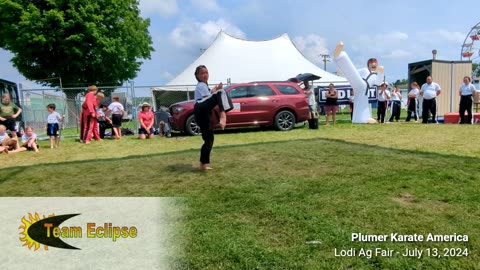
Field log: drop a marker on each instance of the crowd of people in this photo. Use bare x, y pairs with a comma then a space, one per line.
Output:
95, 119
392, 101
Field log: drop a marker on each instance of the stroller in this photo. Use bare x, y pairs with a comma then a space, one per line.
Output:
162, 121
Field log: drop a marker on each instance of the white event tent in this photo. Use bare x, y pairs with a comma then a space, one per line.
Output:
235, 60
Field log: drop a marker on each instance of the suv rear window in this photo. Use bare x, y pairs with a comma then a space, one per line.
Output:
287, 89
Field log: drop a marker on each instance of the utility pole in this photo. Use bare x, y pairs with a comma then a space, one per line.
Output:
326, 58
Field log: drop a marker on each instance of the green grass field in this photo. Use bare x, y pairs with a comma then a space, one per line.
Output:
285, 200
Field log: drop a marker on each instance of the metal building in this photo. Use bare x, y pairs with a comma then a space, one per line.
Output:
448, 74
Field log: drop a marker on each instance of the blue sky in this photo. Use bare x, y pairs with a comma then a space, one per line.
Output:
395, 32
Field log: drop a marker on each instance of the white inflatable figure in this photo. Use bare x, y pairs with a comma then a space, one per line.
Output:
362, 81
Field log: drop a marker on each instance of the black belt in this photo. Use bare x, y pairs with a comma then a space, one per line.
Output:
429, 99
466, 95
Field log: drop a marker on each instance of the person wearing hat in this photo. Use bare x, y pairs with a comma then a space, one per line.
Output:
383, 96
146, 119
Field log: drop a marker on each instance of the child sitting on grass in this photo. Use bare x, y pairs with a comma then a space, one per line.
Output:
6, 143
29, 141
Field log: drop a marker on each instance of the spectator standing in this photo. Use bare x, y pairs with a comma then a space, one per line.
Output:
9, 111
88, 115
412, 103
331, 104
53, 120
383, 95
396, 99
312, 104
466, 92
430, 91
351, 101
117, 110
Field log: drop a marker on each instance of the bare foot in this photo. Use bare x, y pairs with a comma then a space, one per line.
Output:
338, 49
205, 167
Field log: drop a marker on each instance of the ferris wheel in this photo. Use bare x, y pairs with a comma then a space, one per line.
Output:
471, 48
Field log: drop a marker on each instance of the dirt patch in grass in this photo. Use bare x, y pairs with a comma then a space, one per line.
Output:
405, 199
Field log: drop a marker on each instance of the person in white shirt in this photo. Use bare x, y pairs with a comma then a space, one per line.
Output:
383, 96
308, 90
351, 100
412, 106
430, 90
117, 115
466, 92
53, 120
29, 141
206, 100
396, 99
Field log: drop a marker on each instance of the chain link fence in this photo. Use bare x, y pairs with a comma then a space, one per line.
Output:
165, 96
68, 102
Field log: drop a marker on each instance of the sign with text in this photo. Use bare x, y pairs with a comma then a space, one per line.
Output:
344, 93
89, 233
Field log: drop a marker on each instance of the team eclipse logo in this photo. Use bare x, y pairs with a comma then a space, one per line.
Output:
47, 231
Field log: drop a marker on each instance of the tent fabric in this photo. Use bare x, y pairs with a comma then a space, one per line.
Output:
239, 61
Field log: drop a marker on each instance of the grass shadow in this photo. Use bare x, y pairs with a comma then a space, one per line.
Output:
183, 168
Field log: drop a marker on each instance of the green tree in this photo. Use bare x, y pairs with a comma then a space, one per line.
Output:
401, 82
80, 41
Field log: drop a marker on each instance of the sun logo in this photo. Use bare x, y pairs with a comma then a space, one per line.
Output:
26, 223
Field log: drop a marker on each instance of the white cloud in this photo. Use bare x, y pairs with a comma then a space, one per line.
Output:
207, 5
438, 36
200, 35
312, 46
379, 43
398, 54
395, 36
165, 8
167, 76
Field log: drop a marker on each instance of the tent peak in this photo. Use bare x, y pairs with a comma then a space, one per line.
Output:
222, 33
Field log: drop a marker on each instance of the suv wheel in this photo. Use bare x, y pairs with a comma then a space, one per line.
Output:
284, 120
191, 127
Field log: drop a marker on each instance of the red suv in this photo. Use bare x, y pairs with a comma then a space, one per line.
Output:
278, 104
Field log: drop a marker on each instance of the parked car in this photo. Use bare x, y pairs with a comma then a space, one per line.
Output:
279, 104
